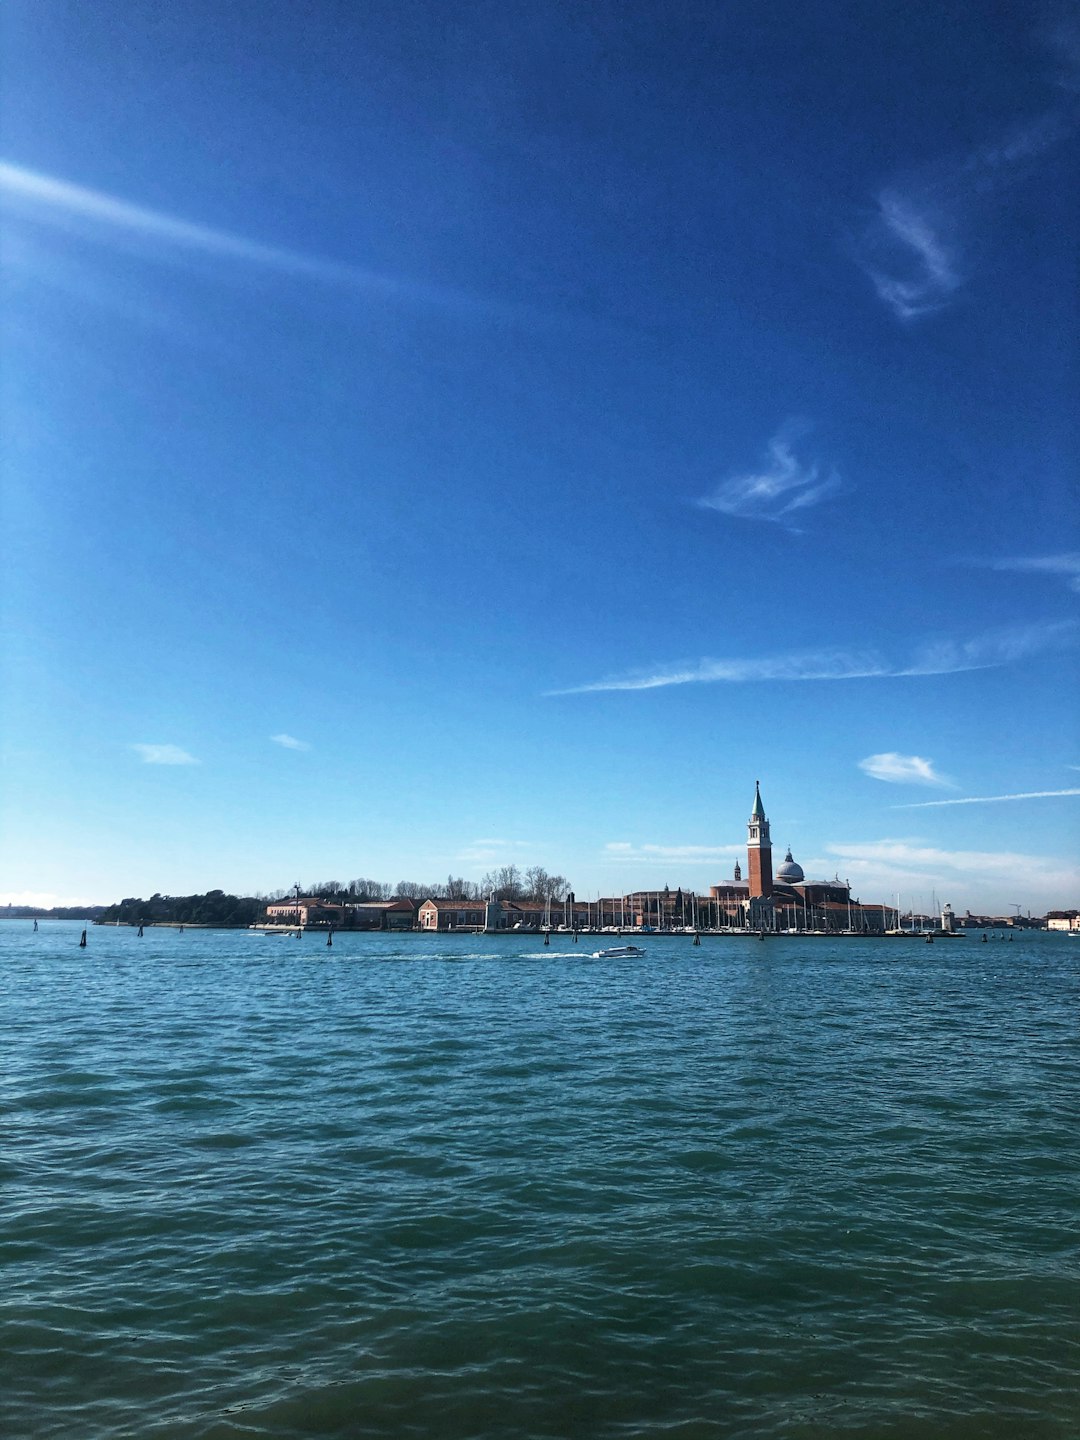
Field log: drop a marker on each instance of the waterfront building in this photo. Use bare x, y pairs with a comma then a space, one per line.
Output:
302, 911
788, 901
363, 915
441, 913
397, 914
759, 900
970, 921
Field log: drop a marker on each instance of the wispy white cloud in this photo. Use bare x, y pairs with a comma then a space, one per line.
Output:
42, 899
290, 742
782, 488
971, 878
1003, 646
914, 267
164, 755
902, 769
987, 799
939, 657
493, 850
67, 205
1061, 34
619, 850
1024, 142
912, 250
834, 665
1066, 566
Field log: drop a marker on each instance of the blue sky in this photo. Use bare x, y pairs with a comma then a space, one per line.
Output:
548, 419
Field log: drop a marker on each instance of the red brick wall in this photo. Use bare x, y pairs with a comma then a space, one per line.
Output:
759, 872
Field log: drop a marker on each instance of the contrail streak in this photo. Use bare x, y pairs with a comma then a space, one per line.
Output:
62, 198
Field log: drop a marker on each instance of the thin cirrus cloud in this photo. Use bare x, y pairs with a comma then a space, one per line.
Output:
1062, 37
290, 742
899, 769
620, 850
914, 268
910, 865
912, 250
988, 799
164, 755
68, 205
939, 657
490, 850
1065, 566
776, 492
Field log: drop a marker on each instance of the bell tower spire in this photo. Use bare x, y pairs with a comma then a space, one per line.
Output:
759, 850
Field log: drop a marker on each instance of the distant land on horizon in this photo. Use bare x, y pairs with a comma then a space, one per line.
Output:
218, 909
57, 912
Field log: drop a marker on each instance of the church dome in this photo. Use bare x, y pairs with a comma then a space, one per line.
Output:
790, 872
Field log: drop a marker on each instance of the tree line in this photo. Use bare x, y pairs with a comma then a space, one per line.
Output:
508, 882
218, 908
214, 908
55, 912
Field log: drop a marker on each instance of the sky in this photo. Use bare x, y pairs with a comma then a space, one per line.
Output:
442, 437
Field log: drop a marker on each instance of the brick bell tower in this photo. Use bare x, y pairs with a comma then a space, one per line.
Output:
758, 850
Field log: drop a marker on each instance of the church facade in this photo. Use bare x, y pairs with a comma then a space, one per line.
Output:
787, 901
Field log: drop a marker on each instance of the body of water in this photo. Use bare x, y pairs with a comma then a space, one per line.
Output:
466, 1186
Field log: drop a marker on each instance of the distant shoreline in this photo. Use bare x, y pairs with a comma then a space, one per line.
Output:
560, 935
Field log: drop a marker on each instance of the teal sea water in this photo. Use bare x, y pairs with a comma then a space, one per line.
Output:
471, 1187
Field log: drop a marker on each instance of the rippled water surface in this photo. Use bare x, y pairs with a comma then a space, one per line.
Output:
469, 1187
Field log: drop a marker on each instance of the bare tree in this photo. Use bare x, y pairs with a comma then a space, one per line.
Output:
536, 878
363, 889
510, 883
542, 887
412, 890
506, 883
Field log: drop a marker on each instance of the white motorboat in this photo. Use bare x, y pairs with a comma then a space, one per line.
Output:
619, 952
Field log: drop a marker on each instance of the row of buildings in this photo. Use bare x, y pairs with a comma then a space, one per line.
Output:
758, 900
